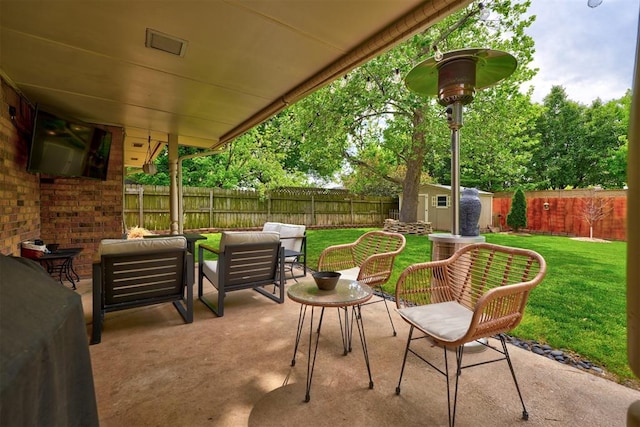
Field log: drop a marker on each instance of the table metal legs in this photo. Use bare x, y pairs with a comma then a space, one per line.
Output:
346, 330
64, 268
363, 340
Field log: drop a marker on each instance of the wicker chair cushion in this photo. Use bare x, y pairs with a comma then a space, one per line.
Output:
350, 274
445, 321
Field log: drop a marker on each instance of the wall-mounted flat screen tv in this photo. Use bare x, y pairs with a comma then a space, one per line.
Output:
68, 148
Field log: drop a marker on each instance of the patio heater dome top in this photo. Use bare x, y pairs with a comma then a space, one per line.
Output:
459, 73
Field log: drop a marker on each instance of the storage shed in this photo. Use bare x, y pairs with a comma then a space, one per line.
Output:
434, 206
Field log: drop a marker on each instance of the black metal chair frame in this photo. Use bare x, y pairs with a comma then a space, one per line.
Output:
144, 278
459, 351
299, 258
244, 266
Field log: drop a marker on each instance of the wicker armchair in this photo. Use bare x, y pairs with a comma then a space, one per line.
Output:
480, 291
368, 260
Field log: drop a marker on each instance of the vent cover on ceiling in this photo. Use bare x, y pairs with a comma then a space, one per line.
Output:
165, 42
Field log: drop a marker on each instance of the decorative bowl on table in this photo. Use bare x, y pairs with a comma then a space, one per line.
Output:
326, 280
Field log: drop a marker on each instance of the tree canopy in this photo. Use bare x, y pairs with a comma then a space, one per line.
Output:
369, 133
580, 146
370, 128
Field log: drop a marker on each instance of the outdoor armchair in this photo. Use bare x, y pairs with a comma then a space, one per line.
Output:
293, 238
369, 260
246, 260
479, 292
139, 272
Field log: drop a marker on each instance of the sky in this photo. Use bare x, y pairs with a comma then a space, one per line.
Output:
588, 51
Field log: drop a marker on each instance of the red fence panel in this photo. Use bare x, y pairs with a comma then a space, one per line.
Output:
563, 212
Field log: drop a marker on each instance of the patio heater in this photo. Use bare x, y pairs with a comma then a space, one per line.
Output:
454, 78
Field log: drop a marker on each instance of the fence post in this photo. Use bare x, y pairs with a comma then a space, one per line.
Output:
211, 208
140, 206
353, 220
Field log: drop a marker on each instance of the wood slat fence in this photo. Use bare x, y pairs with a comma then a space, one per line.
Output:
562, 212
213, 208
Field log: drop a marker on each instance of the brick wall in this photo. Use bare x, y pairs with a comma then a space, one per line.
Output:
19, 190
563, 213
74, 212
79, 212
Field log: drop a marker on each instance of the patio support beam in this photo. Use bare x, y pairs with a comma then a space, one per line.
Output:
633, 231
181, 192
173, 187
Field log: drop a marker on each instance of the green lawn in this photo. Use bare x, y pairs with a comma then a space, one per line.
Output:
580, 305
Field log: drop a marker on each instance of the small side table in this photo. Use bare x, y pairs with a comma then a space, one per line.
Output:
61, 262
347, 294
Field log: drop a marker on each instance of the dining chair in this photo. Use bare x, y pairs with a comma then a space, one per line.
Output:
480, 291
369, 260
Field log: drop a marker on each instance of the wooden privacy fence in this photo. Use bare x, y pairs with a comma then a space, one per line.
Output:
213, 208
562, 212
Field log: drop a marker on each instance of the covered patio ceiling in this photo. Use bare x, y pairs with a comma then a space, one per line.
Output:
233, 63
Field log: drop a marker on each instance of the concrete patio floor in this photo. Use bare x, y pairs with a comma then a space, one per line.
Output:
151, 369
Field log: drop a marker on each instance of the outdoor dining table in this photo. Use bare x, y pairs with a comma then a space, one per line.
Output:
347, 294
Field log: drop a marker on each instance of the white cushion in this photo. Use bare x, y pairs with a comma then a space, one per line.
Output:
287, 232
239, 237
350, 274
120, 246
210, 269
445, 321
271, 226
291, 236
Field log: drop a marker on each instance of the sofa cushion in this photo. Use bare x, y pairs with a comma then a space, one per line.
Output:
291, 236
119, 246
210, 269
239, 237
271, 226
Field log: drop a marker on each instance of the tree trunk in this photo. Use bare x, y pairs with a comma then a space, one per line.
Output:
410, 192
411, 182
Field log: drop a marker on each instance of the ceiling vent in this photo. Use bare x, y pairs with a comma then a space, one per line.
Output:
165, 42
137, 145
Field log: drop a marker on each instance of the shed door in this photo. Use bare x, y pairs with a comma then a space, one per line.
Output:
425, 203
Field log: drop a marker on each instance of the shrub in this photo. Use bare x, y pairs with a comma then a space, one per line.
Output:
517, 216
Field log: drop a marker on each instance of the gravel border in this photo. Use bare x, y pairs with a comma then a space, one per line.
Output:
562, 356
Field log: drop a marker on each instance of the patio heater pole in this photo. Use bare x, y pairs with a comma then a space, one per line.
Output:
454, 115
454, 78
